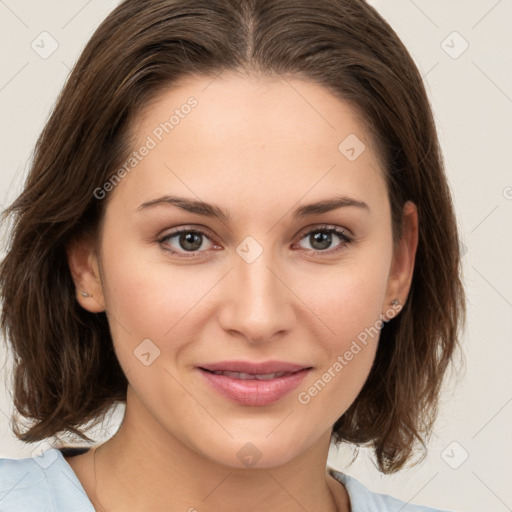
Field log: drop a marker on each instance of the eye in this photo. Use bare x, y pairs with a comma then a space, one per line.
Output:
191, 240
321, 239
188, 240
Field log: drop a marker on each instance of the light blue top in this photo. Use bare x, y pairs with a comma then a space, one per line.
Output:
47, 483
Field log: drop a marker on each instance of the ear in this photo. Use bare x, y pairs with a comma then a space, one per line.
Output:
84, 267
402, 266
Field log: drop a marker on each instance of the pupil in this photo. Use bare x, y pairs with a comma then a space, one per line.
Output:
323, 238
192, 241
187, 241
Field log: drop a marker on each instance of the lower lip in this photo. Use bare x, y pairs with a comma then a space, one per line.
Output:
254, 392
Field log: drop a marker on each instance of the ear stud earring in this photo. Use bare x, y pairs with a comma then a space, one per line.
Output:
86, 294
391, 313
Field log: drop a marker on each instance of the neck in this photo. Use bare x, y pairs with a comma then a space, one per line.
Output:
143, 467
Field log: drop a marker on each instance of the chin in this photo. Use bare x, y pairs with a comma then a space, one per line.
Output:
259, 452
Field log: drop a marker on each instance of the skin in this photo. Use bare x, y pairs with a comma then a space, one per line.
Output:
258, 149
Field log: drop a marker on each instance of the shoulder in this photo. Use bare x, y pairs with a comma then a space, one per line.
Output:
23, 483
41, 484
362, 499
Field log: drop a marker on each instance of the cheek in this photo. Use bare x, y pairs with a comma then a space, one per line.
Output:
348, 348
147, 298
348, 304
347, 298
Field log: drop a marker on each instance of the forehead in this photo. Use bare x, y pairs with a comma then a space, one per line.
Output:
251, 135
292, 106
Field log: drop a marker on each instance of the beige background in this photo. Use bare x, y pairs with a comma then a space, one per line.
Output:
471, 93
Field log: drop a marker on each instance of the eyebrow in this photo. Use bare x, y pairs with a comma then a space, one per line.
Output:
210, 210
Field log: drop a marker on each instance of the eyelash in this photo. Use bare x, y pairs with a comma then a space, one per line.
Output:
345, 238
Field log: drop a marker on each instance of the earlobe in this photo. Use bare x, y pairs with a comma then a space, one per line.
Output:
84, 268
402, 267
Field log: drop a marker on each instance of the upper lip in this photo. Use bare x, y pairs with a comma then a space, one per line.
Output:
262, 368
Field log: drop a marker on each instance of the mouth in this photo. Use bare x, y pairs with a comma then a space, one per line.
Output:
249, 376
254, 384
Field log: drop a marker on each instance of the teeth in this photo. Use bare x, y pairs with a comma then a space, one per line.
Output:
269, 376
250, 376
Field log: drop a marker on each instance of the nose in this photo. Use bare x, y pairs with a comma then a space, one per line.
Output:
258, 304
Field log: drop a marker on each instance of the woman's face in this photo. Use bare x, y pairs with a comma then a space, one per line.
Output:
263, 281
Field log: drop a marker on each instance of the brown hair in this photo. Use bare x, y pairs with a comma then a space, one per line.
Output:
64, 377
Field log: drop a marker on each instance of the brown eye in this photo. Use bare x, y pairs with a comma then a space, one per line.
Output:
322, 238
186, 241
190, 241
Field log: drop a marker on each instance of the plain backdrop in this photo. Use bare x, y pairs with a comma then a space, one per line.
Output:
464, 52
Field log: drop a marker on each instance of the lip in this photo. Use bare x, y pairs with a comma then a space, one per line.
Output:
253, 367
254, 392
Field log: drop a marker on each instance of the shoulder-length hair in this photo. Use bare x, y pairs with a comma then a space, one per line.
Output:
66, 373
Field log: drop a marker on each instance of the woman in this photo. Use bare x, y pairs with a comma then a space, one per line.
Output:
238, 224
